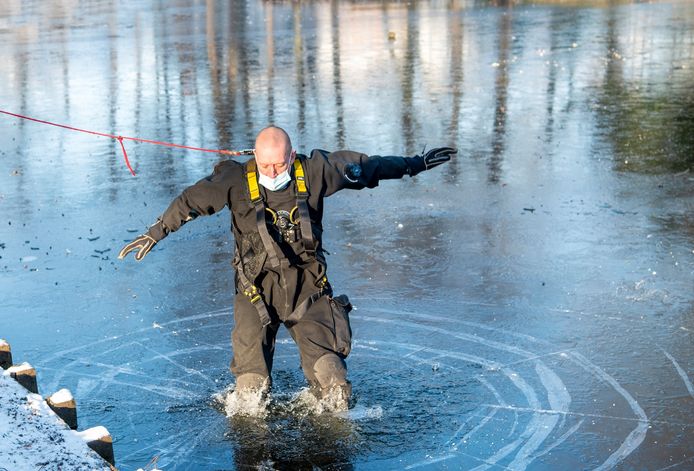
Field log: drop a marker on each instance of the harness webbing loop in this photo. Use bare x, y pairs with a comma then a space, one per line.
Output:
257, 200
304, 216
253, 294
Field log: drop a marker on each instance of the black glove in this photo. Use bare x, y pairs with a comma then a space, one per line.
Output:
437, 156
143, 244
431, 159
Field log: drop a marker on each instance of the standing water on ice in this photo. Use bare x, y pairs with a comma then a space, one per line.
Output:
528, 305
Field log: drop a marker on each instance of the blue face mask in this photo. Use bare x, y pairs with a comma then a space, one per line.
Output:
277, 183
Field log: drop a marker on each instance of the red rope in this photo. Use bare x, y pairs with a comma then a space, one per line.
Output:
125, 155
137, 139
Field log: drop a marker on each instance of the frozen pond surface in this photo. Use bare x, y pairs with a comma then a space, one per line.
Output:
529, 305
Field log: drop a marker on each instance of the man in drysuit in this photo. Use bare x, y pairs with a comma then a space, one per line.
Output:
276, 204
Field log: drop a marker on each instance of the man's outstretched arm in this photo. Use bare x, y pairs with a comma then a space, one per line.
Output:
346, 169
204, 198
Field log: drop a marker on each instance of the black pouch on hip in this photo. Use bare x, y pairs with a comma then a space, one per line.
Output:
341, 308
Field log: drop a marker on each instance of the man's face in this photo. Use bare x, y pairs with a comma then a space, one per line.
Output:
272, 161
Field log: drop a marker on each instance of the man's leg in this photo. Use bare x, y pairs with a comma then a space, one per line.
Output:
323, 338
253, 345
331, 374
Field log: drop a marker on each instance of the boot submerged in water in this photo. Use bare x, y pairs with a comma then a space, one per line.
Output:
250, 397
333, 389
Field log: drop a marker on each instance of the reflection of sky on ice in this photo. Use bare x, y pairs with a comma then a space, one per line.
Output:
527, 305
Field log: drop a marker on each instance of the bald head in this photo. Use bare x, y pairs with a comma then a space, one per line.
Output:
273, 151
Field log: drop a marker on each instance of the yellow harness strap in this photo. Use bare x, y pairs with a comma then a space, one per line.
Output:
252, 176
300, 178
302, 205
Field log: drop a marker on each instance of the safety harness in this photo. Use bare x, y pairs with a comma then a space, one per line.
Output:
259, 205
309, 242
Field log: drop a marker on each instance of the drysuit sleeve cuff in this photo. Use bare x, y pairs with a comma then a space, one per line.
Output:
415, 165
158, 231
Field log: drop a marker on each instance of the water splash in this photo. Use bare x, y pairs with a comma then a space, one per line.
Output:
246, 403
362, 413
301, 404
305, 402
